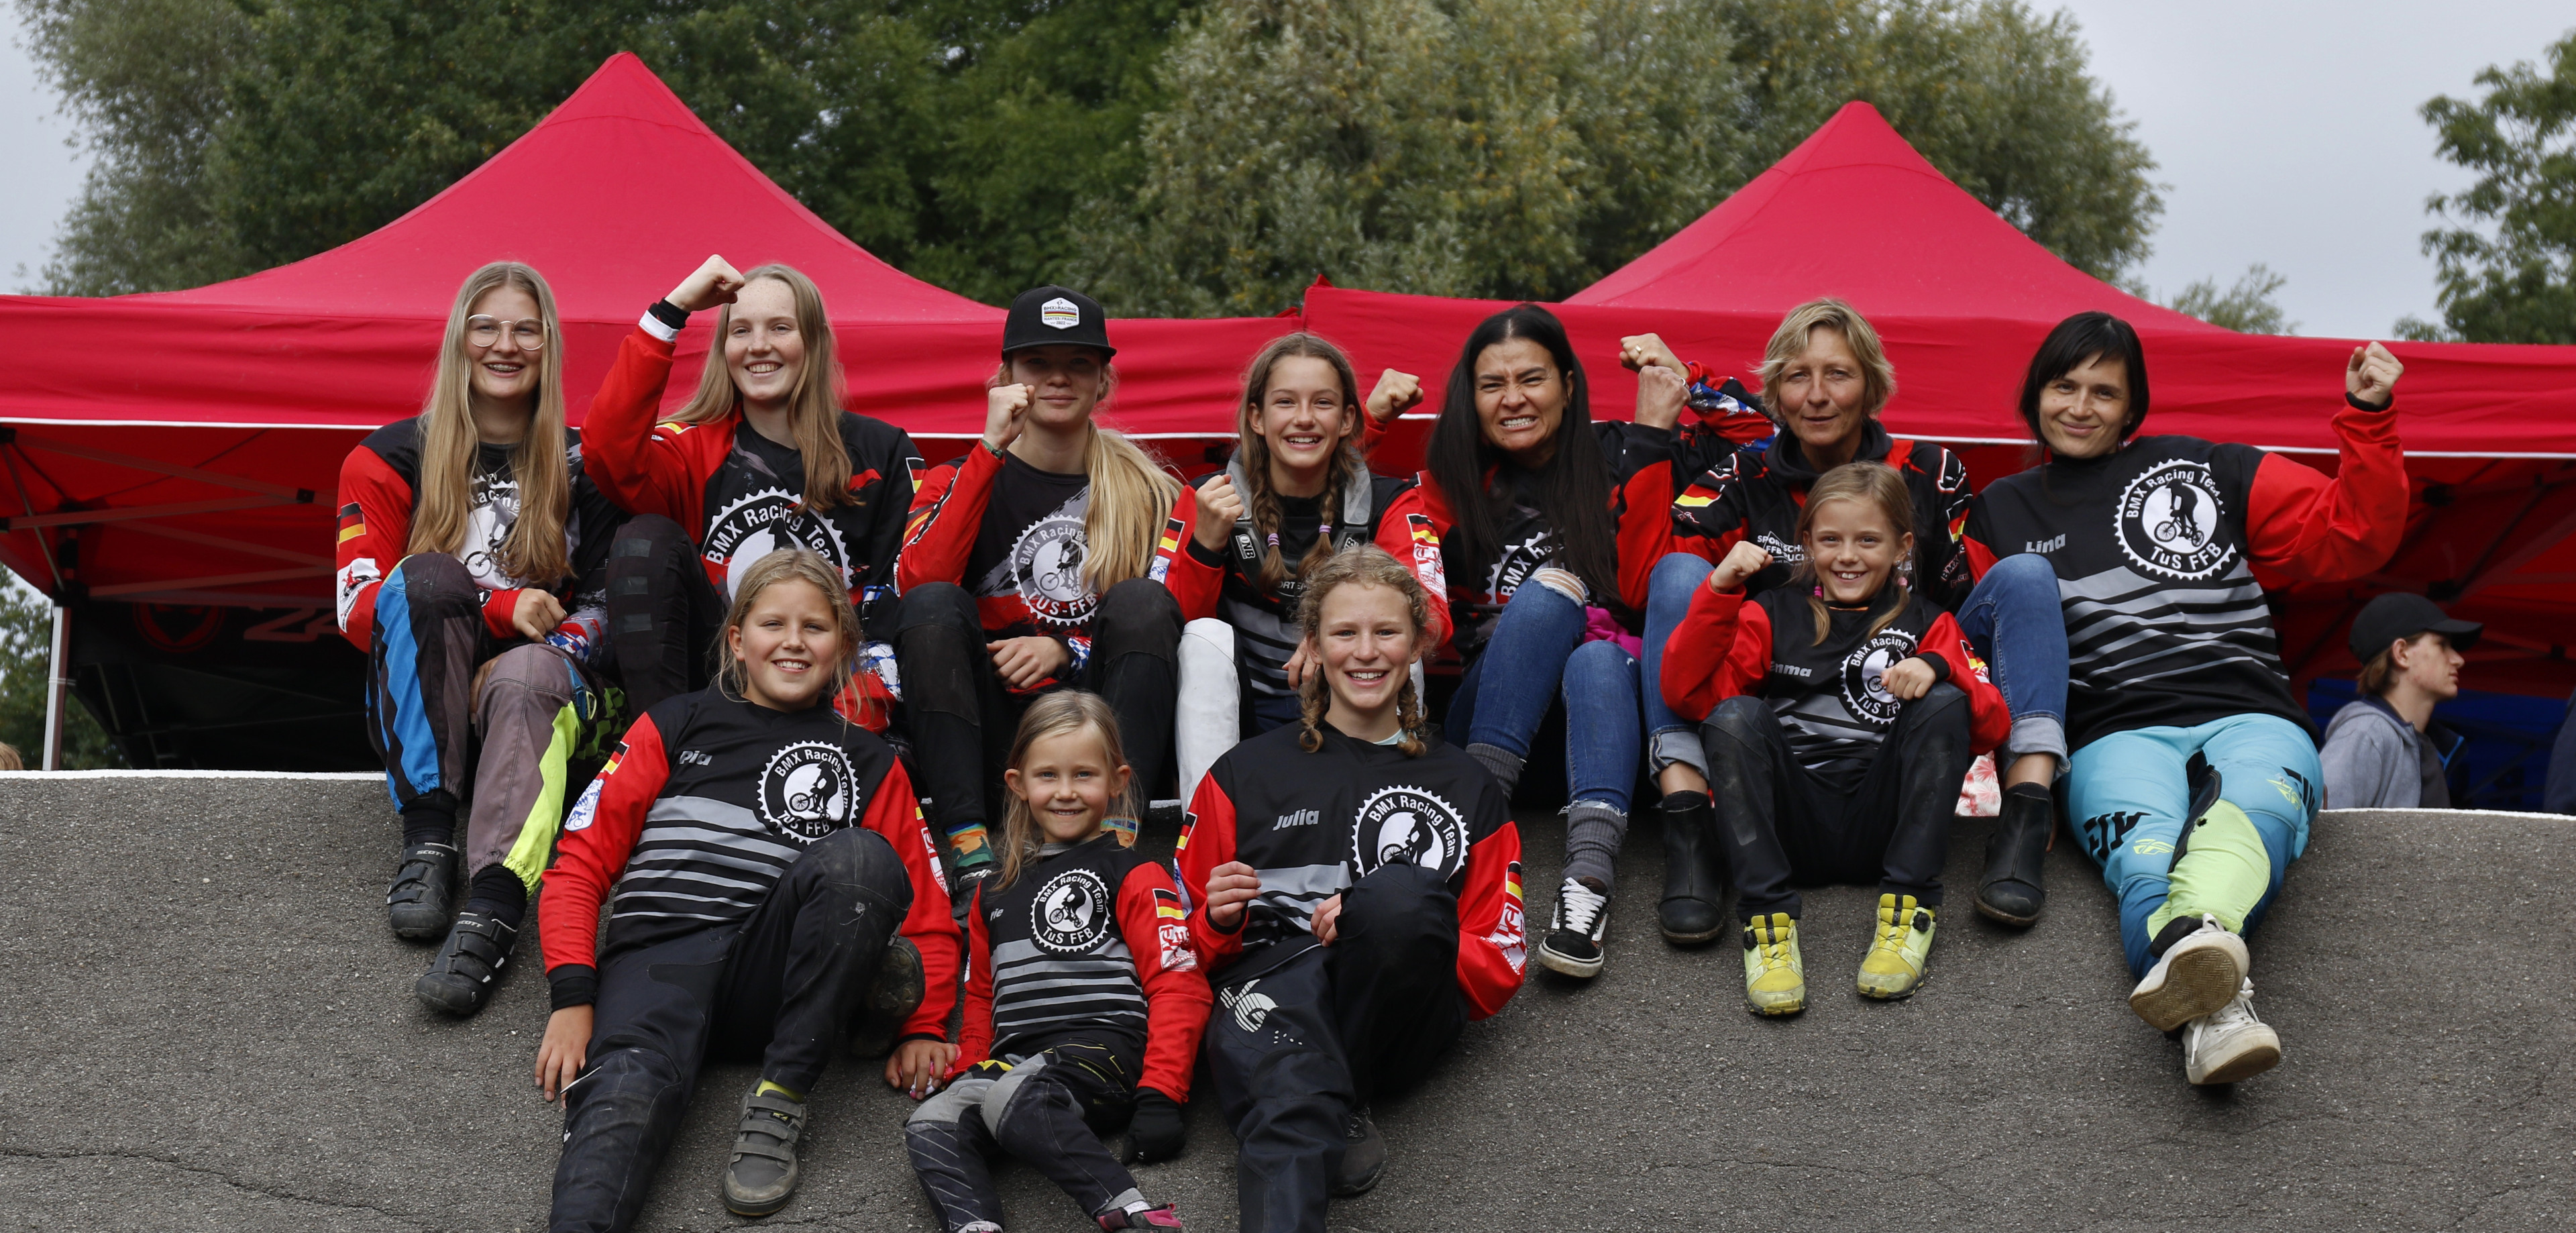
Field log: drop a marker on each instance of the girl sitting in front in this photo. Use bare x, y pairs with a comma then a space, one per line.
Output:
1084, 998
1839, 713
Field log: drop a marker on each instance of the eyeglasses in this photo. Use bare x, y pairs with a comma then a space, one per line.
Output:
528, 332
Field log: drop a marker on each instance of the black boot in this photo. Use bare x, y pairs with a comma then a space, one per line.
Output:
460, 979
1693, 892
424, 891
2010, 889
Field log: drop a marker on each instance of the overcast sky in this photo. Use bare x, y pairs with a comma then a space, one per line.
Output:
2285, 131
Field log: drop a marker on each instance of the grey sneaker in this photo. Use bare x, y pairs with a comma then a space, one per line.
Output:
1363, 1155
762, 1176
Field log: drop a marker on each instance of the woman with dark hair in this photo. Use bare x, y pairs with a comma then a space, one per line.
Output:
2194, 770
1544, 547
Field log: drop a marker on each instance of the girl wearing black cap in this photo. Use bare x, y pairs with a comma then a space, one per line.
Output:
1028, 565
2384, 749
2193, 774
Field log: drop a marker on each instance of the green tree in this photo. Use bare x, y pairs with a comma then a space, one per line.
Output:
2506, 269
2247, 307
26, 657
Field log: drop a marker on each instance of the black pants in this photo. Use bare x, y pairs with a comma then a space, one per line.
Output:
781, 987
1782, 822
665, 618
962, 717
1048, 1111
1295, 1048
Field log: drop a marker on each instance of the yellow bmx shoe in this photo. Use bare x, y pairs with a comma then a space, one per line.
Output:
1899, 949
1775, 978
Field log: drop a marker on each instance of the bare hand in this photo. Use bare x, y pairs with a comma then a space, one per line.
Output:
711, 284
1742, 562
1299, 664
1026, 662
1396, 393
1661, 394
1908, 679
565, 1049
1327, 920
1006, 412
538, 614
1220, 505
918, 1067
1640, 352
1230, 886
2370, 376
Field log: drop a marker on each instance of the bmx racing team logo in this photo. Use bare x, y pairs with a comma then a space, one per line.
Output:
1865, 676
1046, 568
1404, 825
760, 523
805, 790
2169, 522
1071, 913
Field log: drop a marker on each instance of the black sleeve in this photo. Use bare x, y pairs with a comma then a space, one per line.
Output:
898, 465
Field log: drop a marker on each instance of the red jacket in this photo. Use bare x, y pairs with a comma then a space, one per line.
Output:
1405, 530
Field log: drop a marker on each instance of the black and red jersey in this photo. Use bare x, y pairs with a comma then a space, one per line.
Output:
739, 494
2162, 549
1828, 694
378, 483
1756, 493
702, 809
1089, 943
1311, 824
1379, 509
1013, 536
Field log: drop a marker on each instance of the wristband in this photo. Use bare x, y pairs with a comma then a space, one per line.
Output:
2359, 405
663, 321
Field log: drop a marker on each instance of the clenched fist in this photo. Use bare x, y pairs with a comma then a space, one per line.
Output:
1396, 393
1661, 394
1006, 412
1640, 352
1742, 562
1220, 506
2370, 376
712, 283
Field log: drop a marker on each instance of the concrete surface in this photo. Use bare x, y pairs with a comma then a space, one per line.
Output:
208, 1027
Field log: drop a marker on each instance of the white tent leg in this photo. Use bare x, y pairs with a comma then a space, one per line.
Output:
57, 687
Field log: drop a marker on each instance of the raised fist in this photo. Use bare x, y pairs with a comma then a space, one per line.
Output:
1661, 394
1006, 412
1220, 506
1396, 393
710, 284
1742, 562
2370, 376
1643, 351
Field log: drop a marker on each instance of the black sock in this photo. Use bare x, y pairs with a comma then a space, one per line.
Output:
2035, 791
498, 893
431, 819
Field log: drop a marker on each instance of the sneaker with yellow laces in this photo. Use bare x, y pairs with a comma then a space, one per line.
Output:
1900, 946
1775, 978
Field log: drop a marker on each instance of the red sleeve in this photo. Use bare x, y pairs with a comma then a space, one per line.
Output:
1721, 649
1407, 533
597, 838
1182, 564
1156, 926
642, 471
1207, 841
1493, 947
1645, 529
975, 1029
947, 510
1373, 431
1989, 721
375, 527
1980, 557
895, 813
2316, 529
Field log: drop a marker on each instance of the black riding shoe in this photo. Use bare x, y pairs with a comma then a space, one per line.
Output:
761, 1177
1693, 892
1363, 1155
460, 979
2011, 891
424, 892
892, 997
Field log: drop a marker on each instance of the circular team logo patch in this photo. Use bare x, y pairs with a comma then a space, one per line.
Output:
1518, 562
1405, 825
2169, 522
1046, 566
1865, 676
1071, 912
762, 523
805, 790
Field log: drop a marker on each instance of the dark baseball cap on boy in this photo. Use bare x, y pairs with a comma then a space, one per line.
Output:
2403, 615
1051, 314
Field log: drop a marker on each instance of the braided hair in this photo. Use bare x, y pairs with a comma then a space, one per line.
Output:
1361, 565
1262, 501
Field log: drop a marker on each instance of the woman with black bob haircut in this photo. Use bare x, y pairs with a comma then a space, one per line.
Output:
2194, 772
1525, 488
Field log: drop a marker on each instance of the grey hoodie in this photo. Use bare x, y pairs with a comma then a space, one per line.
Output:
2374, 759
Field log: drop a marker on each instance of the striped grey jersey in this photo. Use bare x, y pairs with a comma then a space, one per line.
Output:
1061, 961
1829, 695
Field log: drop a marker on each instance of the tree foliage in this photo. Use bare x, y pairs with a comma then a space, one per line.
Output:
26, 658
2247, 307
2507, 265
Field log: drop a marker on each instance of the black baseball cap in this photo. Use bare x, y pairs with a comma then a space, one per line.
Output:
1051, 314
2402, 614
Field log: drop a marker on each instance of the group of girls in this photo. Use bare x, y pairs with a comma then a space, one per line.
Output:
1798, 628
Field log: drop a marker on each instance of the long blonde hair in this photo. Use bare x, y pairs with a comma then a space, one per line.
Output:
1131, 495
814, 408
1262, 502
1878, 484
790, 565
1361, 565
443, 509
1877, 375
1054, 714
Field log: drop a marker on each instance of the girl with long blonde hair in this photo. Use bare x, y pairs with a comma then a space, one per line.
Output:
1030, 564
471, 559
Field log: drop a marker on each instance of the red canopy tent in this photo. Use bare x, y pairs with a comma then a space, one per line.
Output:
1962, 299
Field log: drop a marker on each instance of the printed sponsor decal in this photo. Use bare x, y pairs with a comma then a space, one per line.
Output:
1406, 825
2168, 522
1251, 1009
1864, 684
1061, 313
1178, 956
805, 790
359, 574
587, 808
1426, 556
1071, 912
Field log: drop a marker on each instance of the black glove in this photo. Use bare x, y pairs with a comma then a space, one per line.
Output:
1156, 1132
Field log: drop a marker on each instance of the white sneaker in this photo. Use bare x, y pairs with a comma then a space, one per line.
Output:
2229, 1044
2196, 976
1573, 942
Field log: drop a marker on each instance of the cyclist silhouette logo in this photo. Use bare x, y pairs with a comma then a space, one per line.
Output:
1408, 826
805, 791
1046, 570
1070, 914
2171, 520
1864, 676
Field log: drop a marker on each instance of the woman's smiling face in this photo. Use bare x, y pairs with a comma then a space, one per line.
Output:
790, 646
504, 371
1304, 413
764, 347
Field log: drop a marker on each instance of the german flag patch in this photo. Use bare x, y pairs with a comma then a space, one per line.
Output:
353, 523
1167, 904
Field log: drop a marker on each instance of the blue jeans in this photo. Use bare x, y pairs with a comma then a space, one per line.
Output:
2015, 621
1670, 738
2128, 792
1505, 694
